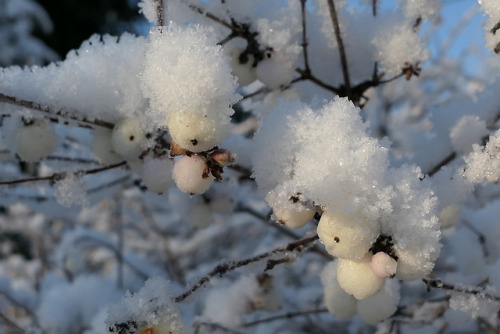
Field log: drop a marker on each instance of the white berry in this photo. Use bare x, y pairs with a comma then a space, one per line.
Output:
188, 175
35, 141
357, 278
293, 218
347, 236
128, 138
381, 305
197, 131
242, 67
337, 301
275, 71
412, 264
102, 148
157, 173
383, 265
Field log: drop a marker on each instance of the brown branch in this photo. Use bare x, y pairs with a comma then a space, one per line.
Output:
312, 78
285, 316
449, 158
225, 267
281, 229
60, 113
72, 159
374, 7
159, 12
11, 323
304, 35
61, 175
433, 283
340, 43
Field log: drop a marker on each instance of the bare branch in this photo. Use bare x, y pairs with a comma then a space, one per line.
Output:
59, 113
225, 267
304, 35
340, 43
449, 158
159, 13
281, 229
433, 283
11, 323
61, 175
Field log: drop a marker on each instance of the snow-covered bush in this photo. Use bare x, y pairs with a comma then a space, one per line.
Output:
254, 167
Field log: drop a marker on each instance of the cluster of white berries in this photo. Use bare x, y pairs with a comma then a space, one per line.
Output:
373, 309
129, 141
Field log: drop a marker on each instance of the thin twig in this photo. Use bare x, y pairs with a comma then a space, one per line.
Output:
304, 35
433, 283
71, 159
285, 316
449, 158
64, 114
225, 267
11, 323
159, 13
61, 175
309, 76
480, 236
340, 43
374, 7
281, 229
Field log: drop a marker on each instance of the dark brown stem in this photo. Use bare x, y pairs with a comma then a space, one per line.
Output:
449, 158
308, 76
159, 13
340, 43
225, 267
281, 229
59, 113
61, 175
304, 35
11, 323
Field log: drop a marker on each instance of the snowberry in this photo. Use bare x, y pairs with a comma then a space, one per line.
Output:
347, 236
337, 301
195, 131
383, 265
449, 215
102, 148
128, 138
275, 71
242, 65
188, 174
412, 264
293, 218
357, 278
157, 173
381, 305
35, 141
